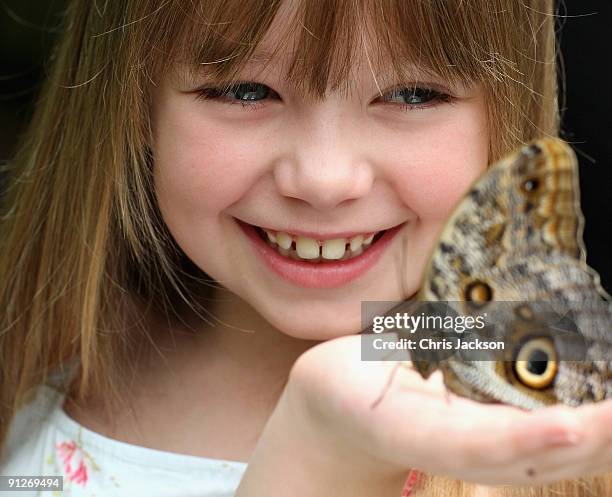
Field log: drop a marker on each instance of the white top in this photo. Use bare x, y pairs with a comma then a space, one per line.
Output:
44, 440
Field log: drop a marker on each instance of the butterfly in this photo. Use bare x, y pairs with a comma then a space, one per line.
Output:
513, 251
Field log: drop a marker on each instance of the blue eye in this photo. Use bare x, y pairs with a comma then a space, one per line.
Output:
414, 97
247, 93
251, 94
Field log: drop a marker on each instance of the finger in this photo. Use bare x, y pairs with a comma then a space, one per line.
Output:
593, 455
594, 448
505, 436
539, 470
588, 454
469, 435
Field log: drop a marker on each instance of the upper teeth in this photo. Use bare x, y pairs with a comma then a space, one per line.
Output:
311, 249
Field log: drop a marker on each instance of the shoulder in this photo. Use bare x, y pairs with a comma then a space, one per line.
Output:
26, 443
43, 440
38, 445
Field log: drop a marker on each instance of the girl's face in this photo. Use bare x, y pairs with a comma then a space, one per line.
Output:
315, 173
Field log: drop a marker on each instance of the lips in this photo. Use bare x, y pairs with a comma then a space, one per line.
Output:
317, 272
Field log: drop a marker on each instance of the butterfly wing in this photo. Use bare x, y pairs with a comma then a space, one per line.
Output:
517, 237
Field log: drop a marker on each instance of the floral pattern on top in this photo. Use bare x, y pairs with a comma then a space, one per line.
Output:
75, 472
77, 464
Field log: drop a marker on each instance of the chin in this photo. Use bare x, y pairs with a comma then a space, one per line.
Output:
308, 324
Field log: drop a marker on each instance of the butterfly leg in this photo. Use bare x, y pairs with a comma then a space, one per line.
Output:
384, 391
447, 396
389, 381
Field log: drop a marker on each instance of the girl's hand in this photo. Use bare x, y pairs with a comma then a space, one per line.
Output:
419, 425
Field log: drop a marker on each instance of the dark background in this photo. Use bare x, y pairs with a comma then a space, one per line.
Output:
29, 27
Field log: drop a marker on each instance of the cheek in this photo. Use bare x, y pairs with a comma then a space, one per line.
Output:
441, 166
201, 167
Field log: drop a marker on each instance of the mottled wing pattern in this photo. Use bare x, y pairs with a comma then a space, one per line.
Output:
519, 220
517, 237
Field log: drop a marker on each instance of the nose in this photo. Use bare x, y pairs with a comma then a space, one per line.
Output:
326, 165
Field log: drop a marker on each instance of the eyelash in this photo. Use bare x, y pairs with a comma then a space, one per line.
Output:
218, 93
437, 97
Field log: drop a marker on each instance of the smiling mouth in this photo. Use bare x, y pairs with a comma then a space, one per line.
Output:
307, 249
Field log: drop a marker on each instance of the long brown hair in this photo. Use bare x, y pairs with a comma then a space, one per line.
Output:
84, 253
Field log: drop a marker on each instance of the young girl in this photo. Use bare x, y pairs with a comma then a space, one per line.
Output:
167, 314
